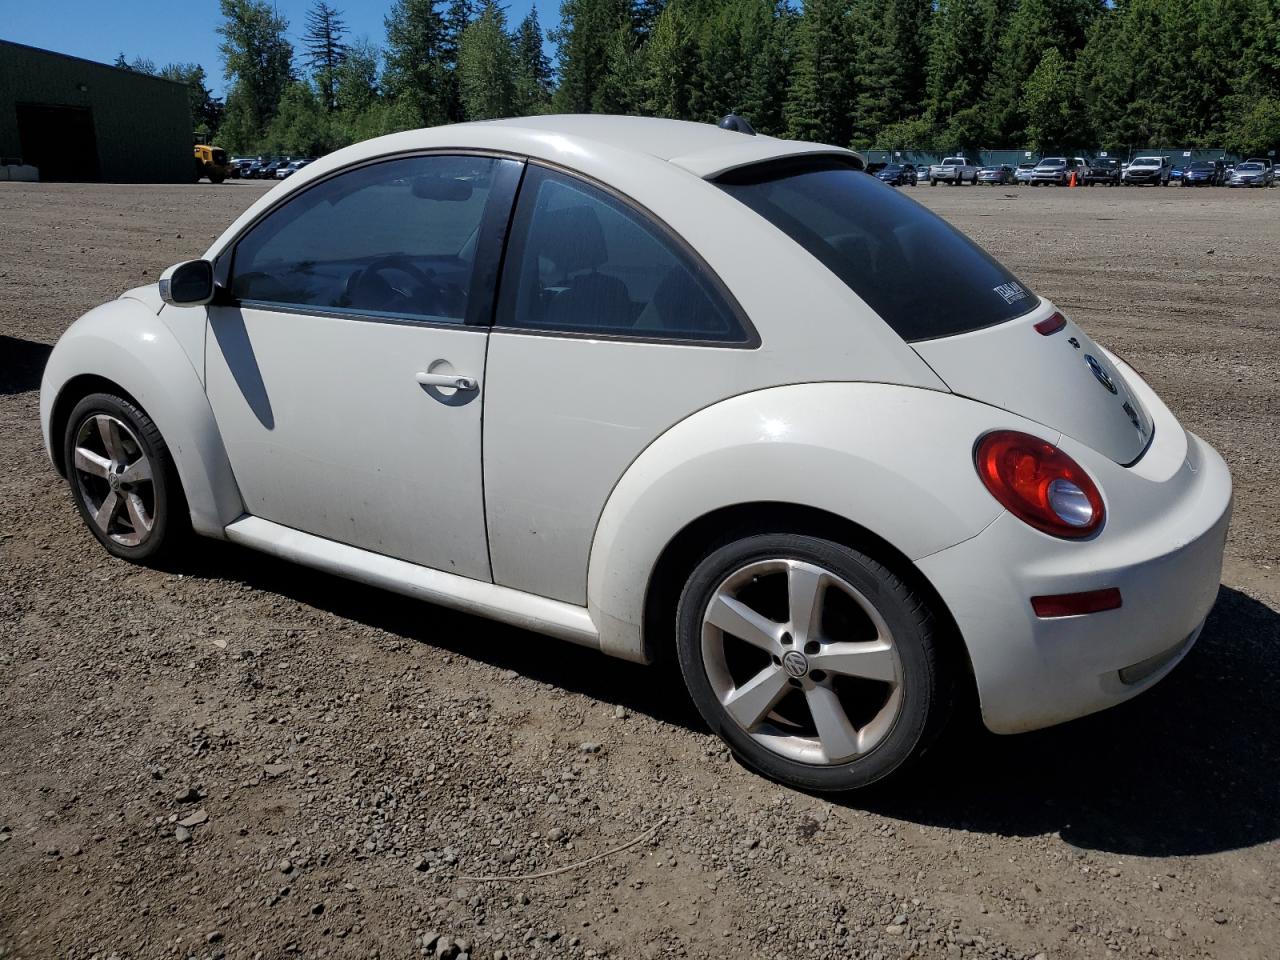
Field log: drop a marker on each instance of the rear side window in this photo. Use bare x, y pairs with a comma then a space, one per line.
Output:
920, 274
582, 261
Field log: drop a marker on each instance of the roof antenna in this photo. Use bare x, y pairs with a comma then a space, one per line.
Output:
731, 121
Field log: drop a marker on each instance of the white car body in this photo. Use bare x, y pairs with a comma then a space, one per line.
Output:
597, 455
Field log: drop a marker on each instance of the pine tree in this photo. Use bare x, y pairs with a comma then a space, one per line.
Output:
817, 105
893, 65
582, 39
1034, 27
532, 67
620, 90
259, 64
325, 49
1049, 113
458, 15
415, 75
486, 66
669, 65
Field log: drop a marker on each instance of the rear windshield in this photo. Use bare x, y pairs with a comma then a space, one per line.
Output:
920, 274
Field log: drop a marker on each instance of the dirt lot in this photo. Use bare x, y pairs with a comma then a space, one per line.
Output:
343, 758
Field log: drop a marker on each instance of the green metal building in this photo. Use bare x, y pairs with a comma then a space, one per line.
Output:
79, 120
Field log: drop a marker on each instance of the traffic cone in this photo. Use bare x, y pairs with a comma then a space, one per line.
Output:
1072, 181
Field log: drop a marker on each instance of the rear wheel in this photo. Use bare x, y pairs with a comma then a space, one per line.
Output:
123, 479
816, 664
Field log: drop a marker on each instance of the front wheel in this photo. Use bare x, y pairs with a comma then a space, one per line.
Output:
123, 479
816, 664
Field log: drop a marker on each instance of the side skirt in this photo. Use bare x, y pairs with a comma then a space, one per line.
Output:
524, 610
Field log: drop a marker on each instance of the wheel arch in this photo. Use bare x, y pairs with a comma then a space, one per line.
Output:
125, 349
885, 468
72, 392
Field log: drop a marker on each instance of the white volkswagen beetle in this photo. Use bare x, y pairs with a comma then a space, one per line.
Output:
660, 387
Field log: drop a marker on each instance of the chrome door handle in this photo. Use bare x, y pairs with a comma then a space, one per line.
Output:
450, 380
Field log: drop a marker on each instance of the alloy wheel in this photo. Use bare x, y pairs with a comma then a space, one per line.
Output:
113, 478
802, 661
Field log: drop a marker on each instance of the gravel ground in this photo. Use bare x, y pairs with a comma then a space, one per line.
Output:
242, 758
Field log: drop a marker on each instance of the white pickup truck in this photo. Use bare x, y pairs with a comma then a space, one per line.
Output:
953, 170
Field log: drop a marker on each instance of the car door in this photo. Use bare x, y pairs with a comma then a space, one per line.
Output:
346, 353
608, 331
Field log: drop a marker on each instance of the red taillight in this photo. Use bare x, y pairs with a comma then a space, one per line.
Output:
1075, 604
1039, 484
1051, 324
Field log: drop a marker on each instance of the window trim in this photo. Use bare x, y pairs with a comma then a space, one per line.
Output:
665, 231
489, 249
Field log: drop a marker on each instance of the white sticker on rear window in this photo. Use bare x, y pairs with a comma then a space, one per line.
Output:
1011, 291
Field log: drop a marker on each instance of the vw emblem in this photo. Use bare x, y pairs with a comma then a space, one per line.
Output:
795, 663
1102, 376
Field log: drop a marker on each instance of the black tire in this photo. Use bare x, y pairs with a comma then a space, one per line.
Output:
216, 176
171, 519
927, 684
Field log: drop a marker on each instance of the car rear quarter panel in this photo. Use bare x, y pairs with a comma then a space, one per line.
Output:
126, 343
896, 460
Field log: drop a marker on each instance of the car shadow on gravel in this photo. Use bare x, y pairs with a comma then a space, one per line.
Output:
558, 663
1190, 767
1187, 768
21, 364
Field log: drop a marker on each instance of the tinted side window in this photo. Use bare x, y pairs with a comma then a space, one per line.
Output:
581, 261
922, 276
393, 239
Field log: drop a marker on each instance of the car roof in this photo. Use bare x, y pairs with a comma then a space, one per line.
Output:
703, 149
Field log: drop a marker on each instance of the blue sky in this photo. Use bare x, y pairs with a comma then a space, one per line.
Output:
168, 31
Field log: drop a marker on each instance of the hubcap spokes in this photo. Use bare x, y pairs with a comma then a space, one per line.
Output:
817, 677
113, 477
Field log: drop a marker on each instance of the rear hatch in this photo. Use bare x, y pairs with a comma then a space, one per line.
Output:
966, 315
1061, 379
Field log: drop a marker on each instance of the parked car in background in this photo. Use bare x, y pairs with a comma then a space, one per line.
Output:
1023, 173
1251, 173
1203, 173
1147, 171
1000, 173
291, 168
927, 487
1055, 171
899, 174
239, 166
953, 171
1269, 168
1175, 174
1104, 170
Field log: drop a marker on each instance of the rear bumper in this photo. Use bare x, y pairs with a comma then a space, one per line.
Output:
1034, 672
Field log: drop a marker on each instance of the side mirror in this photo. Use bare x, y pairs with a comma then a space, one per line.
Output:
187, 284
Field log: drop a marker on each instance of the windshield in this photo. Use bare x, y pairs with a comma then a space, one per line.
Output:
1026, 166
1202, 166
1055, 162
953, 162
1145, 162
1249, 166
892, 168
922, 276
